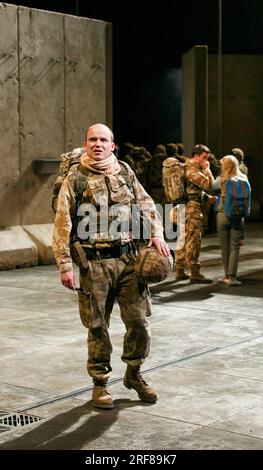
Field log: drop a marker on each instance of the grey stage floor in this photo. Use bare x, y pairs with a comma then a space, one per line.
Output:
205, 362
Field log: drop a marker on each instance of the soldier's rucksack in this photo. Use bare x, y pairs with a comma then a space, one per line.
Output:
67, 161
174, 181
237, 201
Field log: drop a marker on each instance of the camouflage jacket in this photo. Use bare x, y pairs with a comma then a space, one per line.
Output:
197, 180
102, 194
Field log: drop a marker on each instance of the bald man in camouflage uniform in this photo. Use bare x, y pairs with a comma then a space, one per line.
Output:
198, 178
95, 191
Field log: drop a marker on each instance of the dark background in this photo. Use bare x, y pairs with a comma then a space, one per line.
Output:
148, 43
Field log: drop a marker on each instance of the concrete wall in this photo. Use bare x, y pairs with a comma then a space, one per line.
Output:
242, 115
234, 122
55, 79
9, 122
194, 97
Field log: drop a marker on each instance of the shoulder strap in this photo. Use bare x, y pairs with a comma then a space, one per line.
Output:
125, 172
234, 190
127, 176
79, 184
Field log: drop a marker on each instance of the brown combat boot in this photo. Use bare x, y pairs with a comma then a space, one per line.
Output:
101, 397
180, 273
133, 379
196, 276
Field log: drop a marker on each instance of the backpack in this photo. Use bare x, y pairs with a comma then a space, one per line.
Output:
68, 162
238, 196
174, 181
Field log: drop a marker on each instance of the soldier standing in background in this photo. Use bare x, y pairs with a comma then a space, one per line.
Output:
153, 182
198, 177
138, 158
106, 259
239, 154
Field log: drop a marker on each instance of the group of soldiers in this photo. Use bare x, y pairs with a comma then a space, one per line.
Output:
148, 169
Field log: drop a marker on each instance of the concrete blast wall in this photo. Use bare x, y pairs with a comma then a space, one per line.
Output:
55, 79
194, 97
223, 108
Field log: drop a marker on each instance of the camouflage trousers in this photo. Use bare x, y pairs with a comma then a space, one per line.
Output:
188, 255
104, 281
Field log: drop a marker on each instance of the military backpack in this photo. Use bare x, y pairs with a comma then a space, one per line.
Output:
174, 181
67, 161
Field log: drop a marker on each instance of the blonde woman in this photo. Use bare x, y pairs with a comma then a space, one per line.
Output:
230, 230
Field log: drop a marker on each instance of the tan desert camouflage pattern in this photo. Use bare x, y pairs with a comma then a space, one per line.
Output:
151, 266
173, 179
70, 158
101, 191
197, 181
189, 254
104, 280
102, 283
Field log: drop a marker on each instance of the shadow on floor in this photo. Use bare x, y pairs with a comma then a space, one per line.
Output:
55, 433
251, 282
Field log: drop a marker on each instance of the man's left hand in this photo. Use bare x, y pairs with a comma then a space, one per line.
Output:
161, 246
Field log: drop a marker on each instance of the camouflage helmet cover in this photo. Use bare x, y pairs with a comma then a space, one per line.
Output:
151, 266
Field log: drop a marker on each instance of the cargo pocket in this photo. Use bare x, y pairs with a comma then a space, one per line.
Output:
145, 293
89, 316
85, 306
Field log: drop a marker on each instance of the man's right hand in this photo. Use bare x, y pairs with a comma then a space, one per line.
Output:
68, 279
205, 164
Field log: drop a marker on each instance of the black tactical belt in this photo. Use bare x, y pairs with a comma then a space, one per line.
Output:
106, 253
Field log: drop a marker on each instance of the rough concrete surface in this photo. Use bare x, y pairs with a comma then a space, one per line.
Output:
205, 362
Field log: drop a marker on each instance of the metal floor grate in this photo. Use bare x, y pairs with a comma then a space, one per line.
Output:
10, 421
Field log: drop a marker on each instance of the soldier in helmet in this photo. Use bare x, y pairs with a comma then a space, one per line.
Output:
102, 186
239, 154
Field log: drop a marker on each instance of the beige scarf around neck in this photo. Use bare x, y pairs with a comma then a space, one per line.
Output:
109, 165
